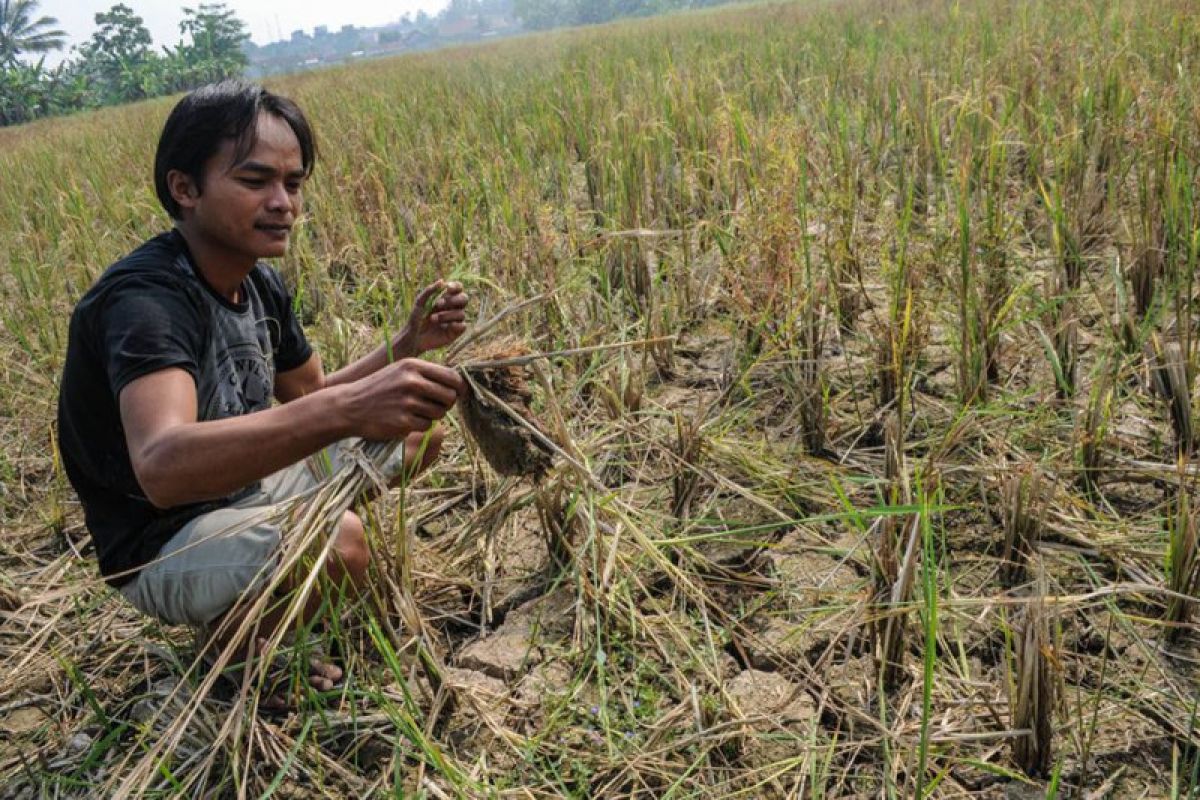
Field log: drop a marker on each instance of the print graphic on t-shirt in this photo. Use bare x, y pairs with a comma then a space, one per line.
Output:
242, 383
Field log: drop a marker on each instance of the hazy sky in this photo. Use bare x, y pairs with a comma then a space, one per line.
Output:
267, 20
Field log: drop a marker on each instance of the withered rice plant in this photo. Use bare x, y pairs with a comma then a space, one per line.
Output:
810, 380
1093, 431
1032, 702
889, 375
497, 413
1061, 320
621, 388
1169, 380
689, 444
893, 572
559, 522
1183, 568
1077, 209
892, 601
1023, 496
1146, 271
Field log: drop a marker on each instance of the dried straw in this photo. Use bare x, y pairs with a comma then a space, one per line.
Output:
1022, 511
1183, 569
893, 572
1033, 702
1169, 380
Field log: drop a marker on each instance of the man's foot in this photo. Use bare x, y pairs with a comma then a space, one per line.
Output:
280, 695
322, 676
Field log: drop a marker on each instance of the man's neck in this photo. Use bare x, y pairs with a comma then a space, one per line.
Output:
224, 271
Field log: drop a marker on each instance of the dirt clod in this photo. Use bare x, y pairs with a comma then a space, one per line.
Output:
509, 447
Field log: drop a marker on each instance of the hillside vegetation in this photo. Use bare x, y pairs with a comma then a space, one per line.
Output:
891, 496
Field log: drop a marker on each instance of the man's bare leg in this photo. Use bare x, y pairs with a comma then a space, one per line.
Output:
346, 569
425, 445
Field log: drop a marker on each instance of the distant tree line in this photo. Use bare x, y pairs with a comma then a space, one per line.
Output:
117, 64
543, 14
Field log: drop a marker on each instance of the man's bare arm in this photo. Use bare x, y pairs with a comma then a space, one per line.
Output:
310, 376
178, 460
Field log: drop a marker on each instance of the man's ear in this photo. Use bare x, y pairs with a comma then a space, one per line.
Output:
183, 189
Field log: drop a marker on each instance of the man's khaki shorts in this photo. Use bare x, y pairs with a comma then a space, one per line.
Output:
216, 557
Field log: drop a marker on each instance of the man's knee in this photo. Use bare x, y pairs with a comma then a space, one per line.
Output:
351, 553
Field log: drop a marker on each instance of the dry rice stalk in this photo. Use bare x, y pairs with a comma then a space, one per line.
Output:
1062, 321
1183, 569
889, 374
558, 522
1147, 269
1169, 380
510, 447
890, 616
1033, 703
689, 446
1091, 437
997, 292
893, 575
895, 473
622, 388
809, 376
1023, 498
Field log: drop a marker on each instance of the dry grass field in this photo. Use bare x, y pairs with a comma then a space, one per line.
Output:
883, 488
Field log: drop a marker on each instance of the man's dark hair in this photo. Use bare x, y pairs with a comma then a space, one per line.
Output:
211, 114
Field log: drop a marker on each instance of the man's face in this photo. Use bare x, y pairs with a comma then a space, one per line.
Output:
246, 209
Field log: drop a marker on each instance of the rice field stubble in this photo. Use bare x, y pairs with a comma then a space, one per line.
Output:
899, 501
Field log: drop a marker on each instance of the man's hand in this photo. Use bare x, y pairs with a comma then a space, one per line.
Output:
407, 396
438, 318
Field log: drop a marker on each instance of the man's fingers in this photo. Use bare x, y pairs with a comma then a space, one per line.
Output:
448, 317
423, 298
433, 398
449, 300
428, 410
423, 395
444, 375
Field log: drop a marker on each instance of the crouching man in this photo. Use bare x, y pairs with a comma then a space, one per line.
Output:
166, 423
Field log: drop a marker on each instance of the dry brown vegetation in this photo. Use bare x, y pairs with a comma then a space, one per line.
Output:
896, 501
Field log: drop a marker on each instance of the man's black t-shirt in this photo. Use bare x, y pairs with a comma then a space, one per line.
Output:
149, 311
